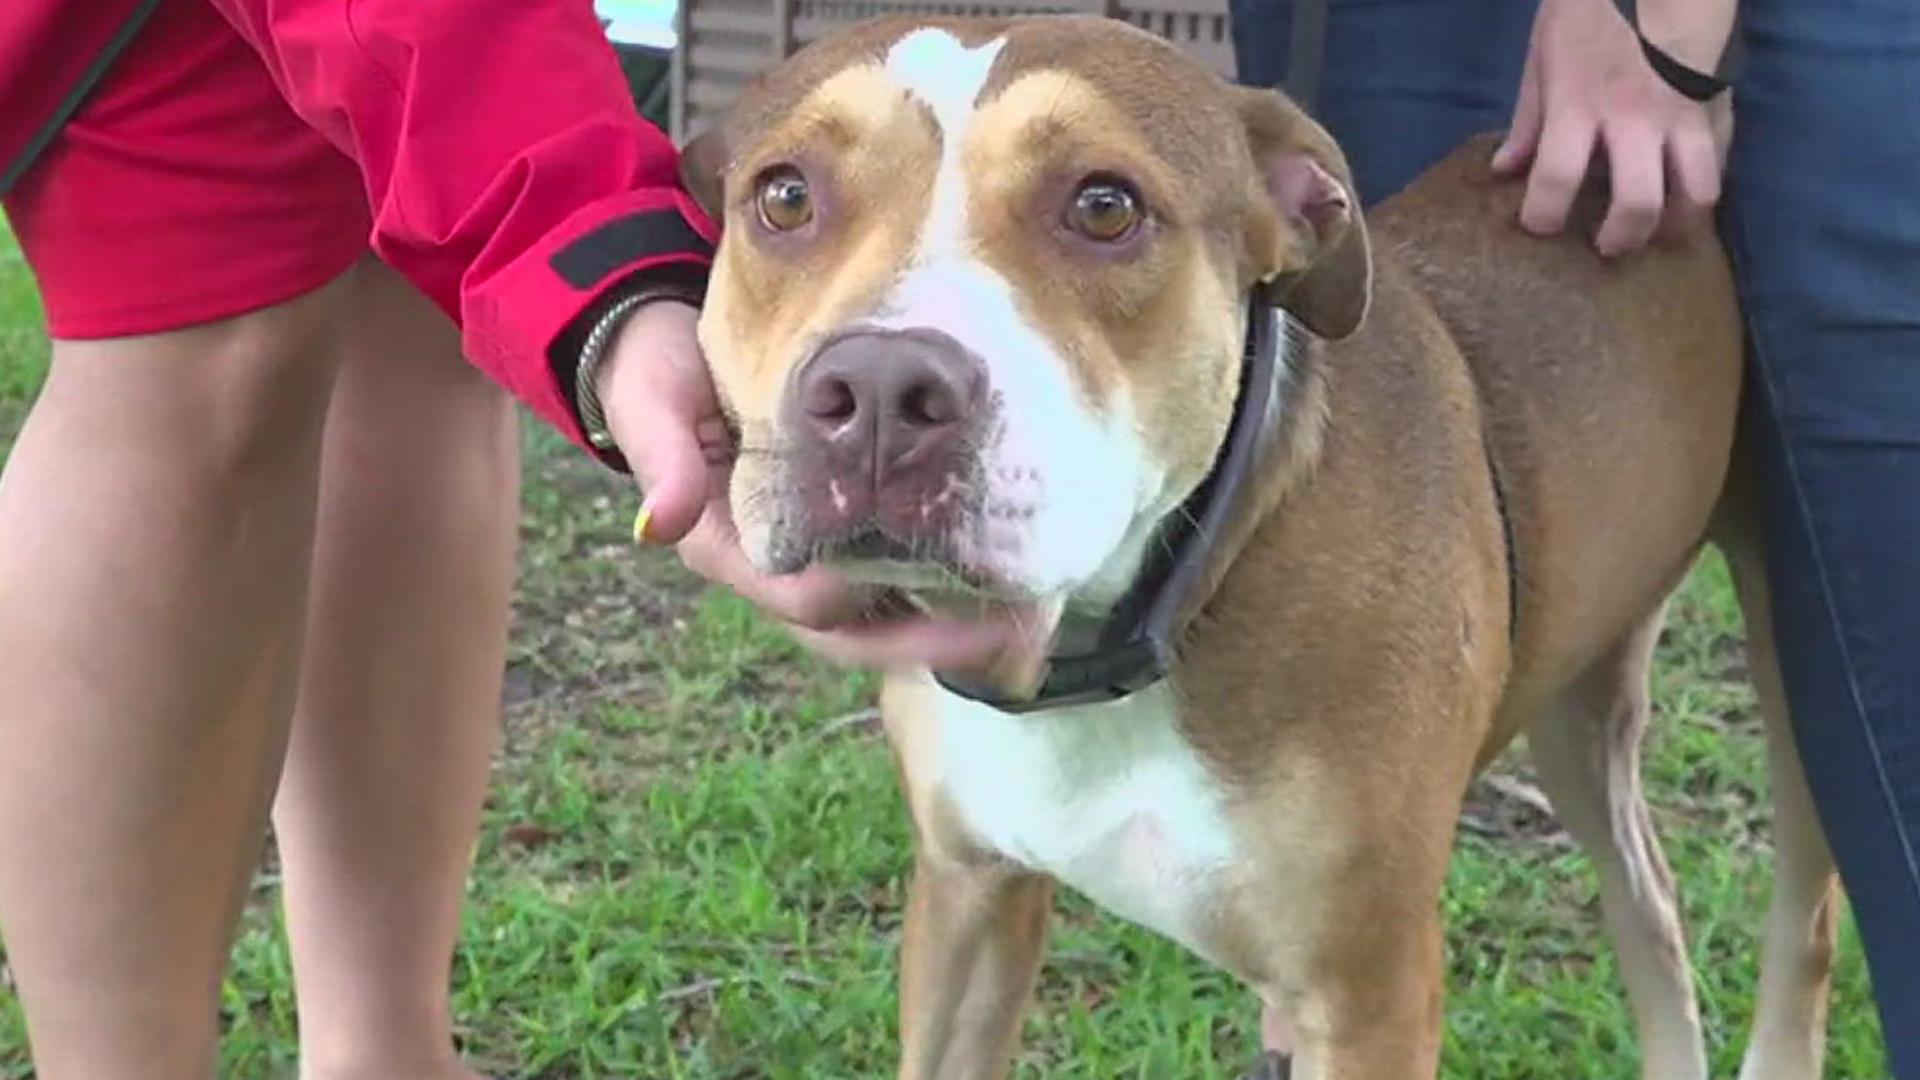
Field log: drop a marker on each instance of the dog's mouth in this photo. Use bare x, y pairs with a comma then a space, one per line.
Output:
872, 544
930, 577
928, 567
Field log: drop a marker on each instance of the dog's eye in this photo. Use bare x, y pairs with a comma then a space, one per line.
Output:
1104, 210
786, 203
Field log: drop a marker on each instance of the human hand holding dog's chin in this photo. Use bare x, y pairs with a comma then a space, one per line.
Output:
1588, 84
662, 410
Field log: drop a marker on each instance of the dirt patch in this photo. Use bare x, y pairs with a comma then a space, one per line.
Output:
588, 605
1506, 805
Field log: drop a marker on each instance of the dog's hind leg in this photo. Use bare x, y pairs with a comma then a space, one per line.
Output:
1587, 748
1790, 1015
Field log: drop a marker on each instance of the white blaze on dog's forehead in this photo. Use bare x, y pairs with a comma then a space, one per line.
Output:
1074, 470
935, 67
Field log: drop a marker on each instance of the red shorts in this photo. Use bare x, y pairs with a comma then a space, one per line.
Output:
184, 190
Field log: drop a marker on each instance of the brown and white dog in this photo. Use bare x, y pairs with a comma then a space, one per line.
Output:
979, 317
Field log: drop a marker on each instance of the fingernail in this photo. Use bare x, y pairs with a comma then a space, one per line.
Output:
640, 522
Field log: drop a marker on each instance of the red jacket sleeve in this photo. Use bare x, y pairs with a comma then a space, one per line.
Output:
511, 177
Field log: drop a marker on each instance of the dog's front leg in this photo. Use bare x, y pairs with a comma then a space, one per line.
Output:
973, 940
1338, 930
1374, 1012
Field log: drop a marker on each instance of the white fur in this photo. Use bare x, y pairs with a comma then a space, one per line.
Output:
1110, 799
1066, 482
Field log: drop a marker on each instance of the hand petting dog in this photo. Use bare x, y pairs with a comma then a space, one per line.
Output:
1588, 86
664, 415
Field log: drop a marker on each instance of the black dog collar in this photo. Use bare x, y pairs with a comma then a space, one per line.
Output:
1138, 641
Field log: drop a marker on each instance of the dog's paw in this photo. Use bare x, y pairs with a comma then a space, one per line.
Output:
1273, 1066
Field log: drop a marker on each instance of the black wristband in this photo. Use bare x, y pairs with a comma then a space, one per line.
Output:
1687, 82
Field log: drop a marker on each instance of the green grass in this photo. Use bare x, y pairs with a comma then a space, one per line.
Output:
693, 857
23, 348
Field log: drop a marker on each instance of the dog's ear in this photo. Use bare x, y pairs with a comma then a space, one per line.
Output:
703, 171
1305, 234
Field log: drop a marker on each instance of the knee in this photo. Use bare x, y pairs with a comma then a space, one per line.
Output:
408, 397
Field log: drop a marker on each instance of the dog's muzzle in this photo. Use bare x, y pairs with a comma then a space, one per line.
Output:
885, 428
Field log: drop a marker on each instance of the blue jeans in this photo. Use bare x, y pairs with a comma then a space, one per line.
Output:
1822, 214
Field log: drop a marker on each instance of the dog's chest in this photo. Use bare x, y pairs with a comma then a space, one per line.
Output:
1109, 799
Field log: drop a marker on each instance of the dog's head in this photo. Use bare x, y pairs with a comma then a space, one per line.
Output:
978, 310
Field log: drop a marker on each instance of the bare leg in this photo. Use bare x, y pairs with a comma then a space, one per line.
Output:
158, 520
1588, 751
400, 695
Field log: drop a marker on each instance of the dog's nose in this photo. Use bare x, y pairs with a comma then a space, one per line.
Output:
881, 404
